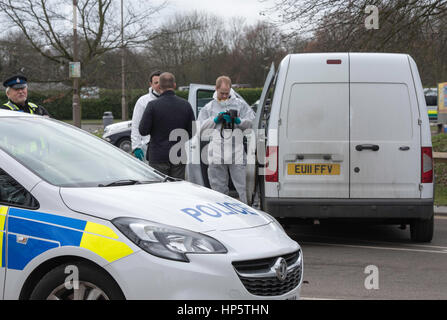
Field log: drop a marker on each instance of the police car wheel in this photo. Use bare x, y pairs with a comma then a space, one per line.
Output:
60, 284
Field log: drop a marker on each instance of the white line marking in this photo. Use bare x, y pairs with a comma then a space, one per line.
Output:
371, 242
372, 247
313, 298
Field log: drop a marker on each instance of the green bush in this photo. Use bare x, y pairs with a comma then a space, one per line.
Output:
59, 104
251, 95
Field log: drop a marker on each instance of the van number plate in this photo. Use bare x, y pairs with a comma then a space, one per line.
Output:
313, 169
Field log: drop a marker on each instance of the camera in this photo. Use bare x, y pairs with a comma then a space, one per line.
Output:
227, 125
233, 115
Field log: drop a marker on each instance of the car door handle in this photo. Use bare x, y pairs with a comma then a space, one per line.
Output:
404, 148
361, 147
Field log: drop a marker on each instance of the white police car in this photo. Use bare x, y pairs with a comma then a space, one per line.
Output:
81, 219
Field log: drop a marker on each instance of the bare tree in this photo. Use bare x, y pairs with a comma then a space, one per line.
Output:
190, 45
411, 26
305, 17
47, 26
256, 48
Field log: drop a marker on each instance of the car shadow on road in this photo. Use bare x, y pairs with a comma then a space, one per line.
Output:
347, 232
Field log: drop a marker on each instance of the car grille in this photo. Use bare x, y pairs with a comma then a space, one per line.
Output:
259, 279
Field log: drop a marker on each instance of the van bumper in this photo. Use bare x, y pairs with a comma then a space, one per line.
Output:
350, 208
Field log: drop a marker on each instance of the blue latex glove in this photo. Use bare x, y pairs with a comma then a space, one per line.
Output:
227, 118
139, 154
237, 120
219, 117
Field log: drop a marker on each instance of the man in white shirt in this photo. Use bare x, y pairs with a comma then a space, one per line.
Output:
139, 143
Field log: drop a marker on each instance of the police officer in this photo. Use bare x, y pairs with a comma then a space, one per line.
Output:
17, 93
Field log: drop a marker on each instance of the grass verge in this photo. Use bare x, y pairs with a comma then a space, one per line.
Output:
439, 142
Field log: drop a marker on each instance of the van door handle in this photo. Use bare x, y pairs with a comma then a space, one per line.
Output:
361, 147
404, 148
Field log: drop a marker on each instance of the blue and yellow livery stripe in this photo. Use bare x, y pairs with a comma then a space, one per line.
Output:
3, 213
48, 218
46, 231
102, 240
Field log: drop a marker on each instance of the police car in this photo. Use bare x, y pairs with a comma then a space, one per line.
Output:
82, 219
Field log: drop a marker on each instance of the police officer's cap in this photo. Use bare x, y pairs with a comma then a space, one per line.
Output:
16, 82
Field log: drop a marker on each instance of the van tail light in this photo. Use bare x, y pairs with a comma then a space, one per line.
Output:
271, 170
427, 165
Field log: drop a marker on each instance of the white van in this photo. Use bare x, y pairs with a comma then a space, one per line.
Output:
351, 137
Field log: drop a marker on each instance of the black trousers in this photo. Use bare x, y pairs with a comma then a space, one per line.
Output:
172, 170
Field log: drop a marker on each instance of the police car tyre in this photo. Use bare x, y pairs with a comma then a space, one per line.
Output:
98, 285
125, 144
422, 230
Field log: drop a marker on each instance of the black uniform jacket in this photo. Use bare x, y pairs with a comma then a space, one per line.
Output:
160, 118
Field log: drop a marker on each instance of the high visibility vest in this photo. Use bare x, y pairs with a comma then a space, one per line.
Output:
33, 145
31, 106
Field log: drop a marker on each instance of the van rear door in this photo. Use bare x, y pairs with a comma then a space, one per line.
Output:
385, 135
313, 152
199, 95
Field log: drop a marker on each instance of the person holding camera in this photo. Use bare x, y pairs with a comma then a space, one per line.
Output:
223, 121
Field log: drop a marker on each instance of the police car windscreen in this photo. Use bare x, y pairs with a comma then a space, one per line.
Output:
69, 157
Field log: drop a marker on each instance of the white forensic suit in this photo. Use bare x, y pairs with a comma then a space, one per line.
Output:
226, 153
139, 141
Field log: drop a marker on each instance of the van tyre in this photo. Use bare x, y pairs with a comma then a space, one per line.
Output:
93, 284
421, 230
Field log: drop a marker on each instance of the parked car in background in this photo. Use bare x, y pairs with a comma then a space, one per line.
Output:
118, 134
431, 99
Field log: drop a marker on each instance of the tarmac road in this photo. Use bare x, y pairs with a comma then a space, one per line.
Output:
335, 258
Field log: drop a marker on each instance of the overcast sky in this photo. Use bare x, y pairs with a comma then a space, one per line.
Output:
248, 9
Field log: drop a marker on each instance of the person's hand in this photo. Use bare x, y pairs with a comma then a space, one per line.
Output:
237, 120
139, 154
219, 117
227, 118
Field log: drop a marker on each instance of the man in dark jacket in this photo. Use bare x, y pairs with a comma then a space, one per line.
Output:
17, 93
159, 119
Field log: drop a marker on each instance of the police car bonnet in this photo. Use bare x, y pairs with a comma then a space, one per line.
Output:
175, 203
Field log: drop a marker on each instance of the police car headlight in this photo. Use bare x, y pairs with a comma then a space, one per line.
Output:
165, 241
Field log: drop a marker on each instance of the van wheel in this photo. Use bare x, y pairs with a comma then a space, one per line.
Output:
421, 230
93, 284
